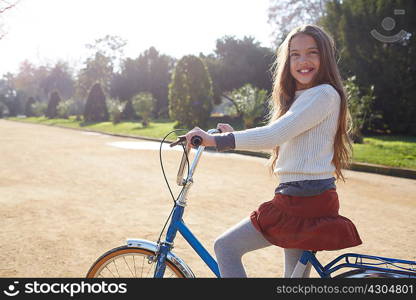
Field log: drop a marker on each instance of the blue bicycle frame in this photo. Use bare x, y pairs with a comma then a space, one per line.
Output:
351, 260
176, 225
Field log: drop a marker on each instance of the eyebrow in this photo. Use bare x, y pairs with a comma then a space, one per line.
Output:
307, 48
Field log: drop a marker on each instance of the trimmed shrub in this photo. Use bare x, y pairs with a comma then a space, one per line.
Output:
190, 93
64, 108
39, 108
29, 107
52, 110
251, 103
115, 108
96, 108
128, 112
144, 104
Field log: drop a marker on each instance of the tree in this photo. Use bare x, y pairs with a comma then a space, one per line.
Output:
96, 108
190, 93
64, 108
388, 65
98, 68
360, 107
8, 96
143, 104
5, 6
150, 72
115, 109
284, 15
29, 107
110, 46
237, 62
251, 104
28, 81
59, 78
52, 110
128, 111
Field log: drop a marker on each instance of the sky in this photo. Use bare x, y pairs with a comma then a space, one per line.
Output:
45, 31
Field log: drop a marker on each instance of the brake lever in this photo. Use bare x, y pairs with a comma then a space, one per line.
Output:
180, 139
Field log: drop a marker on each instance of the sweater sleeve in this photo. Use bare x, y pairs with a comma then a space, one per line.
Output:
225, 142
311, 108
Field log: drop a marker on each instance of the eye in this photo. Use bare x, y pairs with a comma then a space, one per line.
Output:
294, 54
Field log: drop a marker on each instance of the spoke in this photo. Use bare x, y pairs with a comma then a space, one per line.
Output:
134, 264
172, 274
110, 271
114, 262
141, 274
128, 265
151, 267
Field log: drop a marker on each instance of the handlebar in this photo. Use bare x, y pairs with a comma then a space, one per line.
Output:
196, 141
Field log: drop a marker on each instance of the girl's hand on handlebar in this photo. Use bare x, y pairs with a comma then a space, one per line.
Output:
207, 139
225, 127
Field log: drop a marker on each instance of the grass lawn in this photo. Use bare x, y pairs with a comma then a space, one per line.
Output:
156, 129
388, 150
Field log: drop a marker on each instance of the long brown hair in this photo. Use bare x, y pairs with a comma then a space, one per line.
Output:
284, 88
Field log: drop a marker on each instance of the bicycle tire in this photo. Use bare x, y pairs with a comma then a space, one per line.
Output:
106, 265
363, 273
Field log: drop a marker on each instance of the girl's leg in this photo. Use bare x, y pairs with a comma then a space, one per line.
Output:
291, 259
233, 244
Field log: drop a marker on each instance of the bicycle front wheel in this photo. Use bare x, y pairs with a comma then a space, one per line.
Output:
129, 262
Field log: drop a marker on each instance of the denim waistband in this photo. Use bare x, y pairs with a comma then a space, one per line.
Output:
306, 187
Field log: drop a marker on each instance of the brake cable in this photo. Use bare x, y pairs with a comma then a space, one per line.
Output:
166, 180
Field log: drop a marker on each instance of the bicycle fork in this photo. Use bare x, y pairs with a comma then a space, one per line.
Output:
166, 246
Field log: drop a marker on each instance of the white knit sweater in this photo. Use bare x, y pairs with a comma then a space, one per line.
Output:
305, 134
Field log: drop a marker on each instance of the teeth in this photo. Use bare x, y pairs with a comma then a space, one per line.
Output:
305, 70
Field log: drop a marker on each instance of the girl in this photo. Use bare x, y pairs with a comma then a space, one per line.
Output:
308, 134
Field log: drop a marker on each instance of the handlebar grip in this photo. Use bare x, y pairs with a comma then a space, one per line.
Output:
196, 140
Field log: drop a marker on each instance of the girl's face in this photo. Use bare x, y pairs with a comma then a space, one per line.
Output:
304, 60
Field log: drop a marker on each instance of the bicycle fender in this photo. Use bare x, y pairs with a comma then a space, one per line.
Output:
172, 257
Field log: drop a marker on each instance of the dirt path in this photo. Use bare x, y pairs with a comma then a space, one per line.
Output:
68, 196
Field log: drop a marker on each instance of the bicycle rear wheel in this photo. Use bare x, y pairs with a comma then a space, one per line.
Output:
363, 273
130, 262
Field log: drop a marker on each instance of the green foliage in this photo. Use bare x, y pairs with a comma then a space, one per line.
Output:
143, 104
190, 93
361, 108
386, 65
251, 103
237, 62
150, 72
98, 69
128, 112
115, 109
64, 108
284, 15
58, 77
39, 108
52, 110
28, 107
96, 108
4, 110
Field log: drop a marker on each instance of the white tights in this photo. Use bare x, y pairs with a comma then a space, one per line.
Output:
242, 238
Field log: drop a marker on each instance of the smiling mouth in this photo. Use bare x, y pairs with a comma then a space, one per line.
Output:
305, 71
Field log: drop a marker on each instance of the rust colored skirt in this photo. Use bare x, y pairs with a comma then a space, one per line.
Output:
308, 223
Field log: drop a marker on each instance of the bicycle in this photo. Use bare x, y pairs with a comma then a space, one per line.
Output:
155, 259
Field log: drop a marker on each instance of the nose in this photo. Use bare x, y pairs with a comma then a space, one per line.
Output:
302, 59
